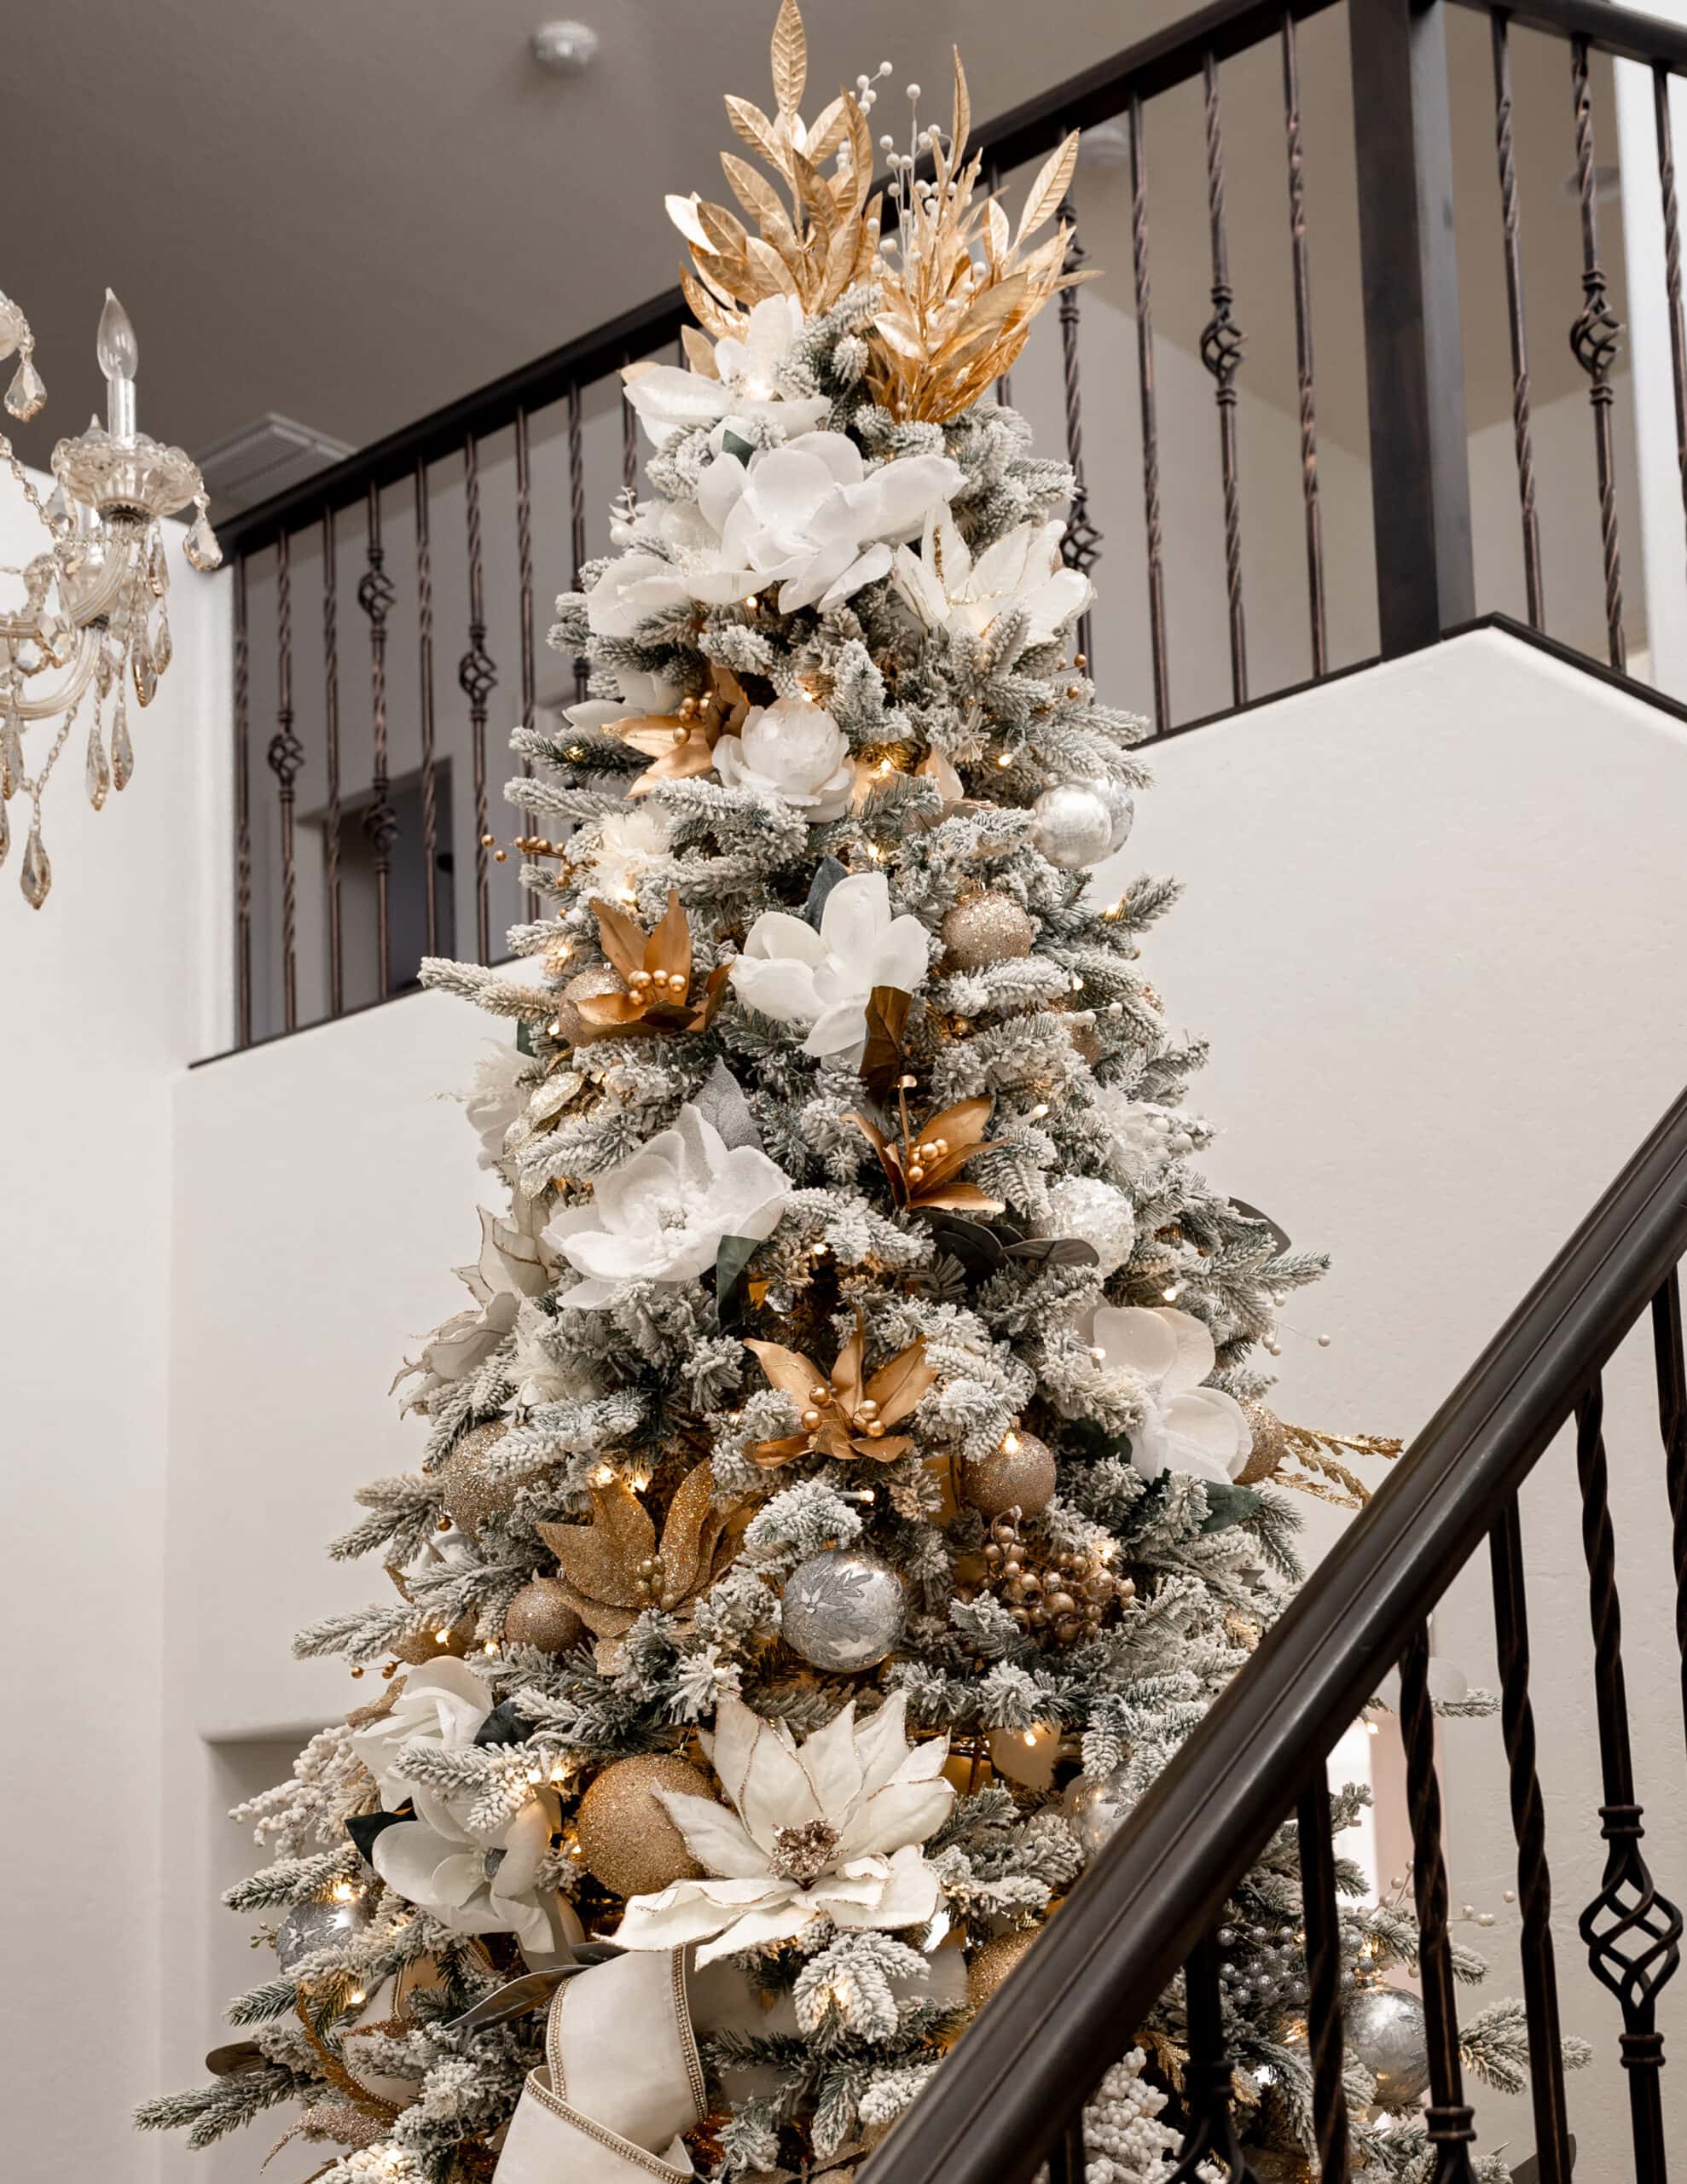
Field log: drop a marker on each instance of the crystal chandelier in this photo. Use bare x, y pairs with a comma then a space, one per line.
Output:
93, 617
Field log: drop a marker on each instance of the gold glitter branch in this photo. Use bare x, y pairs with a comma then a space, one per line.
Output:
1326, 1476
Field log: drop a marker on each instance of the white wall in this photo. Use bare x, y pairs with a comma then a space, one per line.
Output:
106, 994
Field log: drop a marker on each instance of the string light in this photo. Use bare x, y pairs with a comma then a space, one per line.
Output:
343, 1891
1009, 1444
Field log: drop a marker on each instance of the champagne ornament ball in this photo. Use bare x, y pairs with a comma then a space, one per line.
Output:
1072, 825
992, 1963
468, 1490
584, 985
542, 1615
1020, 1475
627, 1839
990, 929
1386, 2032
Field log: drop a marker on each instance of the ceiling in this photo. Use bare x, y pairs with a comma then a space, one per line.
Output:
351, 210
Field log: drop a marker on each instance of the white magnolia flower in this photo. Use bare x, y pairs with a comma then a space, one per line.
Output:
828, 1829
661, 1215
630, 591
670, 399
823, 979
807, 517
621, 851
948, 589
1186, 1428
496, 1097
792, 750
643, 693
511, 1265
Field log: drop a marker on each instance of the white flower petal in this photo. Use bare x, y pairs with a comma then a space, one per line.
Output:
715, 1837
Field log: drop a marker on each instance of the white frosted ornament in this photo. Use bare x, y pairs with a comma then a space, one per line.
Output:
1072, 824
1120, 811
1096, 1804
844, 1610
1097, 1215
1385, 2030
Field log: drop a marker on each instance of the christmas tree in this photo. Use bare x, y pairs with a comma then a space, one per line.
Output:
850, 1480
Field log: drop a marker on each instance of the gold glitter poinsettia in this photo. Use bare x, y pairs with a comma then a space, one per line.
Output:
682, 745
841, 1417
615, 1567
656, 968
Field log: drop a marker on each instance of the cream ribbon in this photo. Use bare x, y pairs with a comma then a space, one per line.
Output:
622, 2080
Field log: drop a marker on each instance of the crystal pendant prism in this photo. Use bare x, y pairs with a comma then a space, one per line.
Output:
163, 650
36, 875
142, 667
200, 545
122, 750
103, 672
96, 774
58, 638
58, 508
158, 569
11, 759
23, 397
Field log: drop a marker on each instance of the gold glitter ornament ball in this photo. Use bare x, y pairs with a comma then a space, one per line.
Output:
465, 1488
628, 1840
1271, 1444
424, 1645
541, 1615
1020, 1474
992, 1964
584, 985
990, 929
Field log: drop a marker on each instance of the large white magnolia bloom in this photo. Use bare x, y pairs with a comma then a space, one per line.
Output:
512, 1266
792, 751
475, 1882
948, 589
827, 1829
1186, 1428
807, 517
823, 979
662, 1215
670, 399
630, 591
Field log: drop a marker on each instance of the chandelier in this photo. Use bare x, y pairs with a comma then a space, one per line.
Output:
93, 619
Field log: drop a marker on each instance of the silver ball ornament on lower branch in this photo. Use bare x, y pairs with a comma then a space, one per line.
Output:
310, 1927
1096, 1805
1072, 824
1385, 2030
1120, 811
844, 1610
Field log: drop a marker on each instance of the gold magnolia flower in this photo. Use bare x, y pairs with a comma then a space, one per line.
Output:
681, 745
841, 1417
655, 969
921, 1165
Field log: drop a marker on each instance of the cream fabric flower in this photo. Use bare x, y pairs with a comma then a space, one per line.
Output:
1186, 1428
828, 1829
661, 1215
512, 1266
629, 591
794, 751
670, 399
948, 589
822, 980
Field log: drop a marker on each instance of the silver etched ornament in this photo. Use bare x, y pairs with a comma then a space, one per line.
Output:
310, 1927
1385, 2030
1072, 825
1096, 1805
844, 1610
1120, 811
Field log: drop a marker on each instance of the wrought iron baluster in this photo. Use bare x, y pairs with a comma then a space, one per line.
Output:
1211, 2133
429, 807
1303, 364
630, 443
1222, 342
375, 595
1671, 1373
1529, 1821
1448, 2123
285, 755
1068, 2159
1151, 428
1004, 384
1324, 1979
1678, 334
331, 738
524, 556
1522, 436
478, 678
1595, 338
1081, 547
1632, 1932
577, 508
242, 810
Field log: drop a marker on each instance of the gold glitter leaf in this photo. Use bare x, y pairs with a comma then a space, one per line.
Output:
789, 57
1047, 190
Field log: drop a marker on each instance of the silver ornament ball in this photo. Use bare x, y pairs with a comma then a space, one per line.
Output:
1385, 2030
1072, 825
310, 1927
1096, 1805
844, 1610
1120, 811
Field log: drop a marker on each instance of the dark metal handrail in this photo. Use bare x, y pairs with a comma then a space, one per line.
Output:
996, 2108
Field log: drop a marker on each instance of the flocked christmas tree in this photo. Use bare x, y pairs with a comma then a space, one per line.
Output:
849, 1481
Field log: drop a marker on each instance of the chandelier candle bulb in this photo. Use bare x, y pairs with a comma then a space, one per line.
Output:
119, 355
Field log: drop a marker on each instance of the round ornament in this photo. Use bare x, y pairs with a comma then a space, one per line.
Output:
467, 1492
310, 1927
1120, 811
424, 1645
628, 1840
992, 1964
1096, 1804
1271, 1444
1385, 2028
584, 985
1072, 825
844, 1610
541, 1615
990, 929
1020, 1474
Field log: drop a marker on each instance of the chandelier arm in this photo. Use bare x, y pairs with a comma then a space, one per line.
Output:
68, 693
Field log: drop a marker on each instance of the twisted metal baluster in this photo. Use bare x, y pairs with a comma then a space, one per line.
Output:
523, 557
1632, 1932
1324, 1979
375, 595
430, 811
478, 678
630, 444
1303, 365
576, 511
1672, 1373
242, 811
1081, 547
1004, 384
1522, 436
285, 755
1595, 339
1448, 2121
1211, 2132
331, 727
1151, 428
1528, 1822
1678, 334
1222, 342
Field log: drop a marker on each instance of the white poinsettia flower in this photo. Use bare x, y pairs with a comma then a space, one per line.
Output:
669, 399
630, 591
948, 589
662, 1215
792, 751
827, 1829
823, 979
1186, 1428
808, 517
474, 1884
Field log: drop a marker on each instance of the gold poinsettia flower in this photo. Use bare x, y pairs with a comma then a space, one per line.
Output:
841, 1417
921, 1165
655, 970
615, 1567
680, 745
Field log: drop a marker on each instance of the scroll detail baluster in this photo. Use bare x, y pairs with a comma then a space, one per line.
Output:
1521, 433
577, 508
1303, 360
285, 755
1449, 2125
375, 595
1595, 339
242, 809
430, 808
1080, 546
478, 678
1661, 80
1323, 1980
1222, 343
630, 444
1211, 2133
1150, 427
1672, 1375
331, 752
